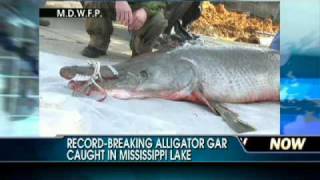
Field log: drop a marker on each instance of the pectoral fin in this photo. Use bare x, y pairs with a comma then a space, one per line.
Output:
230, 117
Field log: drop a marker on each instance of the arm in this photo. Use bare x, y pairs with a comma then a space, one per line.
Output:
123, 12
151, 8
143, 12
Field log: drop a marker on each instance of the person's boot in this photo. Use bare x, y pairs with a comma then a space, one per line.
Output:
92, 52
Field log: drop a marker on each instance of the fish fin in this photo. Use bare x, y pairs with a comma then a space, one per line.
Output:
231, 118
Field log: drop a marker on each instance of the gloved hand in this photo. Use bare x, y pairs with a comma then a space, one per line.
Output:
139, 18
123, 12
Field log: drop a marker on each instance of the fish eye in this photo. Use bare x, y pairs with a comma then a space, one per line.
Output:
144, 74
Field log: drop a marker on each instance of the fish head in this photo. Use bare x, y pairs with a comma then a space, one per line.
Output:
145, 79
141, 80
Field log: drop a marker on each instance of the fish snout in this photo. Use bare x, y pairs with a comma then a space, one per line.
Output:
67, 73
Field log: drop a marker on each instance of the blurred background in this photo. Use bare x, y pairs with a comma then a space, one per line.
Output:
19, 68
300, 67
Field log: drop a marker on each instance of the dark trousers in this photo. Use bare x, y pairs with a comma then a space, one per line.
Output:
101, 29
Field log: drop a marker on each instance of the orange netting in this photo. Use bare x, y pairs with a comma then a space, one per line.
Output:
219, 22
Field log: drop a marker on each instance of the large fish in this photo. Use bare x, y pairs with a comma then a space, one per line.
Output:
209, 76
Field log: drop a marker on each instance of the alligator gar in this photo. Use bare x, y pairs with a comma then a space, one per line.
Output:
208, 76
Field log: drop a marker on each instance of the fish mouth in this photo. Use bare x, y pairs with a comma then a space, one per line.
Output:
82, 85
94, 69
86, 79
79, 84
76, 86
80, 88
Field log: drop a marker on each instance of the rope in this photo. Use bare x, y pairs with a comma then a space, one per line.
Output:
96, 74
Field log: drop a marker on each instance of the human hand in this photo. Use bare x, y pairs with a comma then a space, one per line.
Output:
139, 18
123, 12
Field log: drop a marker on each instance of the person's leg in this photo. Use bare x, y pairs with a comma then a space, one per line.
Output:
174, 12
192, 14
143, 40
99, 29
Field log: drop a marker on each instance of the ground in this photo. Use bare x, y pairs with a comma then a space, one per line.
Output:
62, 113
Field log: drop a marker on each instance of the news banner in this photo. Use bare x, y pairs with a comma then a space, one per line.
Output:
161, 149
